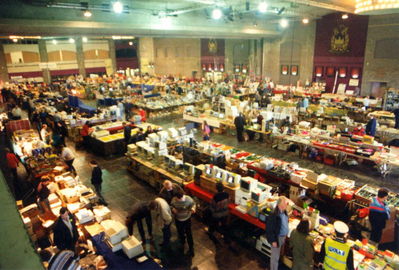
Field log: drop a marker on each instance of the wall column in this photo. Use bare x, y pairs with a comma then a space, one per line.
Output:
146, 55
112, 55
80, 57
3, 65
44, 59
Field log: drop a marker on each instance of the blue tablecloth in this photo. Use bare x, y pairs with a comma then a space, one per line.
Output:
118, 260
74, 101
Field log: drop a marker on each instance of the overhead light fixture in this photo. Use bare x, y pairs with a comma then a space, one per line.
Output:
280, 11
217, 14
87, 13
283, 23
262, 7
345, 16
71, 40
130, 43
54, 42
117, 7
305, 20
15, 40
84, 39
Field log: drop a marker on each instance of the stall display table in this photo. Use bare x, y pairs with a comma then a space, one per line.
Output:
118, 260
206, 196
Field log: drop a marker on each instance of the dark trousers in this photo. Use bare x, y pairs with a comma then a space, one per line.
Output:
86, 142
184, 231
220, 225
239, 134
376, 233
166, 234
397, 122
139, 221
71, 168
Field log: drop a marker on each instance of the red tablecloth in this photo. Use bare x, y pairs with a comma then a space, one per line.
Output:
206, 196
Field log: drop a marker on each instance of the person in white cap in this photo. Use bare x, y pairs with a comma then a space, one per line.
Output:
335, 253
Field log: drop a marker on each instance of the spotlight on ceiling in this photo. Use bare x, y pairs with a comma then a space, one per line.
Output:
262, 7
87, 13
85, 39
280, 11
217, 14
15, 40
283, 23
117, 7
305, 20
71, 40
345, 16
54, 42
130, 43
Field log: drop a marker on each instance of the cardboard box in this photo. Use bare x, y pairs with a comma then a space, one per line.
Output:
114, 231
114, 247
308, 183
102, 213
69, 195
94, 229
84, 216
132, 247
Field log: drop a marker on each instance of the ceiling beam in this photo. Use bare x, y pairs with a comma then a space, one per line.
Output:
319, 4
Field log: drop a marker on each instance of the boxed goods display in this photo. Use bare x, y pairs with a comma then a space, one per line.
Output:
328, 186
102, 212
115, 231
84, 215
69, 195
114, 247
73, 207
132, 247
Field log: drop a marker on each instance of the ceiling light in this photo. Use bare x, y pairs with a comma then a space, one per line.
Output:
15, 40
262, 7
217, 14
54, 42
71, 40
130, 43
345, 16
84, 39
87, 13
305, 20
283, 23
117, 7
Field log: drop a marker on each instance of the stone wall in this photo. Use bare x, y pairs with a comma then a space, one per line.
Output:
294, 47
177, 56
236, 53
381, 62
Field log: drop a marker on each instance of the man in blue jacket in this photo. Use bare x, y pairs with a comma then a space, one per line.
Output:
379, 214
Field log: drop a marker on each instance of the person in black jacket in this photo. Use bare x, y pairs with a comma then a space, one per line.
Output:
127, 130
140, 211
65, 231
277, 230
220, 211
169, 191
97, 179
239, 122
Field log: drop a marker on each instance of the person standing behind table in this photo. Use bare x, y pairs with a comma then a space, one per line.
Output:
396, 113
371, 127
336, 253
379, 214
68, 156
239, 122
16, 113
65, 231
45, 134
140, 211
277, 230
169, 191
183, 207
302, 244
206, 131
85, 133
127, 133
366, 102
97, 179
42, 193
163, 215
220, 211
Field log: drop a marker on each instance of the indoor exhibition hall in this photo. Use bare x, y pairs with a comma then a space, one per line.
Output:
199, 134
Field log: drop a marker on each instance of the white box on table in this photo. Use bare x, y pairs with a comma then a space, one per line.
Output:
132, 247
